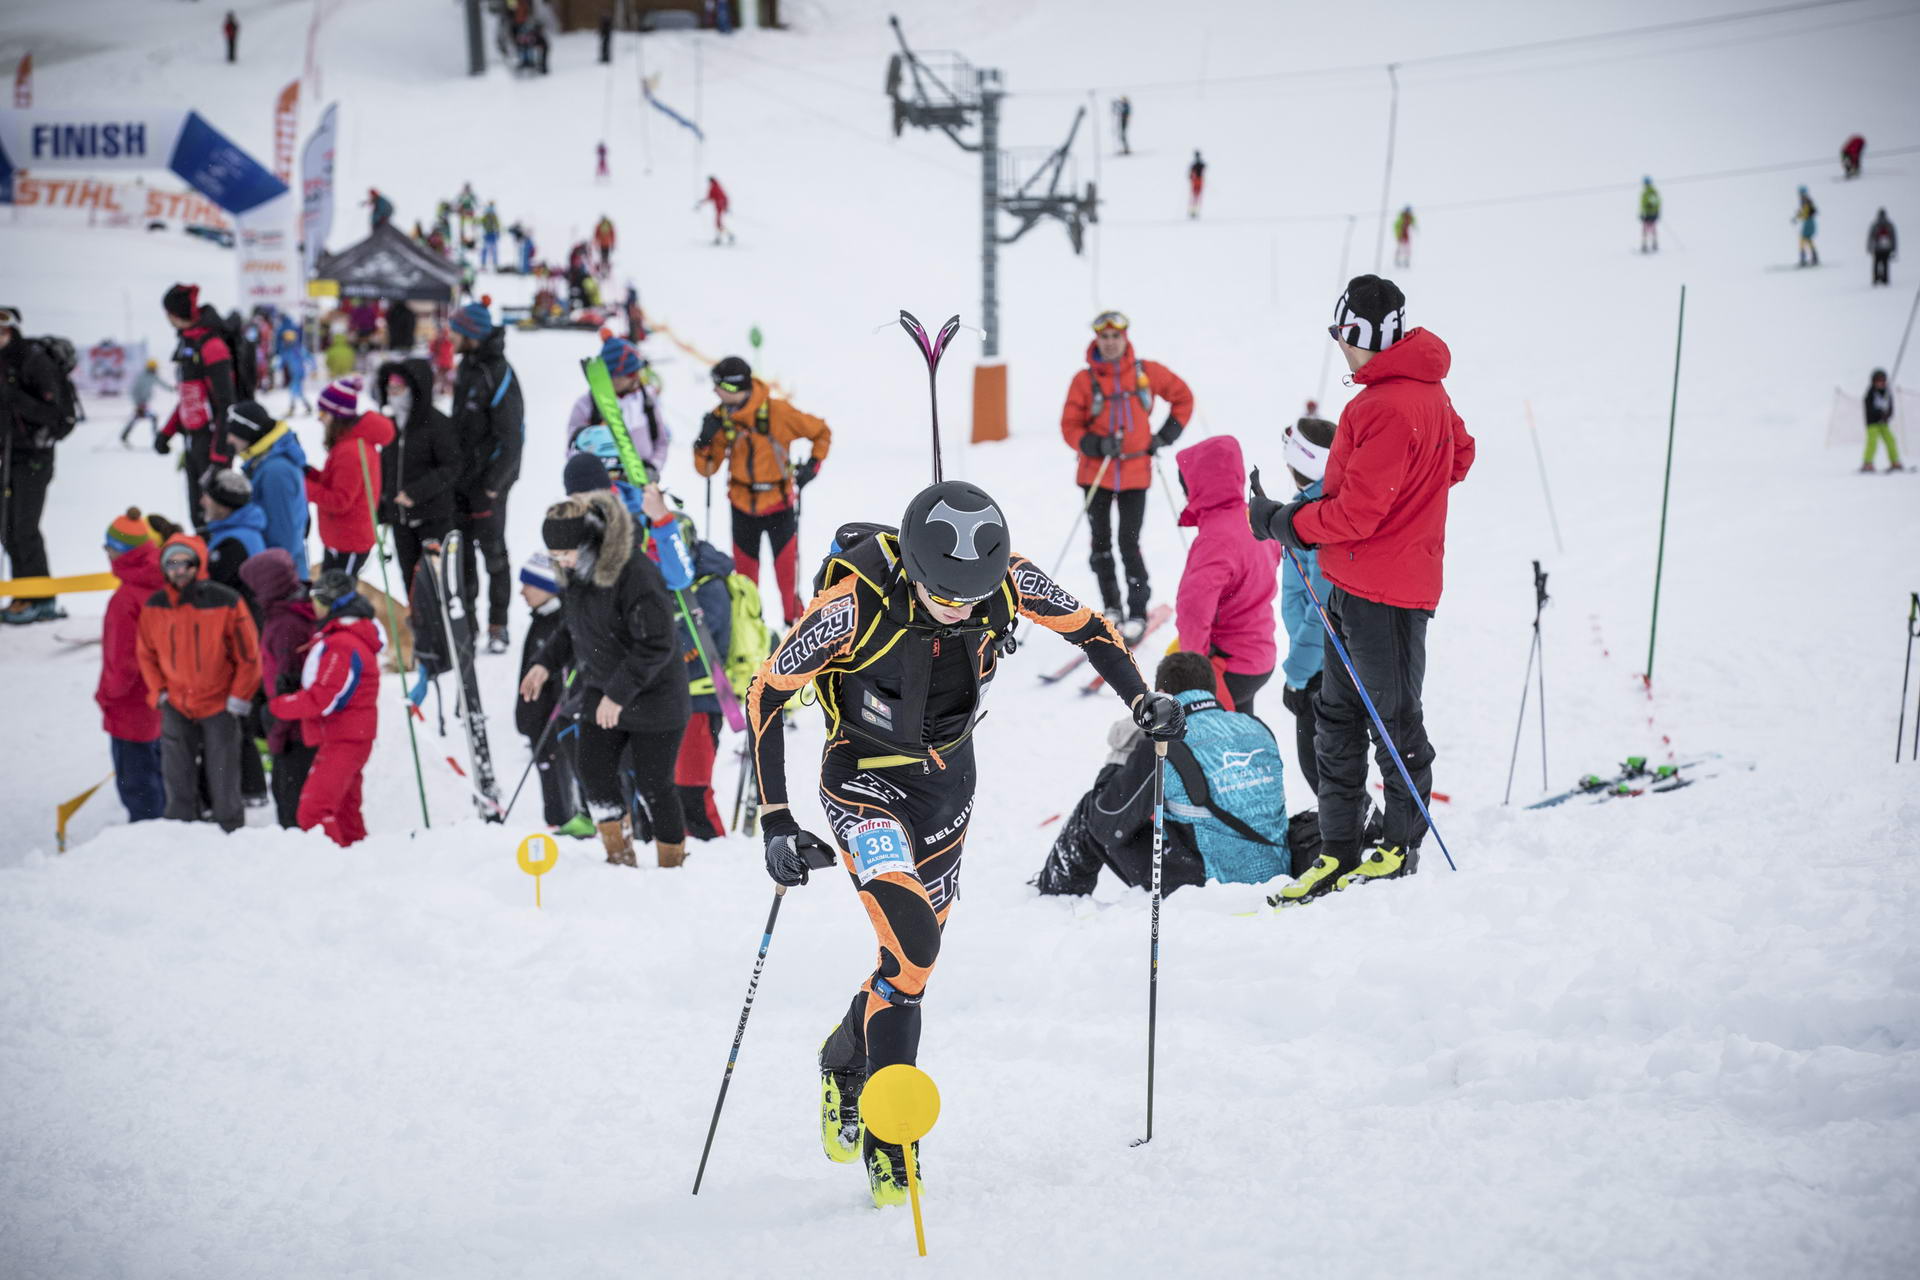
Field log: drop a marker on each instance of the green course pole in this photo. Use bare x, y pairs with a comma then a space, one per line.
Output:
1666, 488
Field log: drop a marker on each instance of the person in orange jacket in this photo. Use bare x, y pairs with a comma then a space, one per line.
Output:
752, 434
340, 489
200, 657
337, 706
1108, 418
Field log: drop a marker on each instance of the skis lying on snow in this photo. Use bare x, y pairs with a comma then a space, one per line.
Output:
1157, 617
453, 617
1637, 777
607, 401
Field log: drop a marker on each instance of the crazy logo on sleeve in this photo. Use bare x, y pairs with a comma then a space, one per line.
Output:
823, 632
1035, 586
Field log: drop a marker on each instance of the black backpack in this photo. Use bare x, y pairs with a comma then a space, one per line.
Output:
61, 355
246, 369
845, 538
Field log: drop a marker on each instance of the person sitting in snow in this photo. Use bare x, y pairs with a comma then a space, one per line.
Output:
1225, 802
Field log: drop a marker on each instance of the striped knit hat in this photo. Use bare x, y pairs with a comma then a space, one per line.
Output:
472, 321
129, 531
538, 572
342, 397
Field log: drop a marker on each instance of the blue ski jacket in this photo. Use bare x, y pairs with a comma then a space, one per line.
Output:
277, 466
1306, 638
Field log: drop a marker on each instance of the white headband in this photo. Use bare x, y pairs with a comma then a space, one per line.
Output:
1304, 456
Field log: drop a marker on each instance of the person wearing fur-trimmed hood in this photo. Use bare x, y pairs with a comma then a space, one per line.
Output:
621, 634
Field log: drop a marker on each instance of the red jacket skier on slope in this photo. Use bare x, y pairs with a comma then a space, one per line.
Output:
717, 197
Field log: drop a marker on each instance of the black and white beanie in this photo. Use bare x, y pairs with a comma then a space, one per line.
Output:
1371, 314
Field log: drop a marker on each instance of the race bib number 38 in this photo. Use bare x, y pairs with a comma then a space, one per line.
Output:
878, 847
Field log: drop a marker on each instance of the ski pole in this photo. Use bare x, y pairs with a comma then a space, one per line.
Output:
1168, 490
1372, 713
538, 746
393, 630
932, 349
1899, 735
1084, 508
1153, 967
739, 1033
706, 530
1534, 650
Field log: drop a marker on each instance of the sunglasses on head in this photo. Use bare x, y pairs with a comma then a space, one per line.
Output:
1110, 322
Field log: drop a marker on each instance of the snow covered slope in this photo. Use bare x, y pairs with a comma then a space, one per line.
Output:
1671, 1036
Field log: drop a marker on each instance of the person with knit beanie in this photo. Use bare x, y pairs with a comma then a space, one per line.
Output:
275, 465
1305, 446
547, 722
635, 383
489, 427
341, 488
133, 727
236, 528
287, 626
1382, 519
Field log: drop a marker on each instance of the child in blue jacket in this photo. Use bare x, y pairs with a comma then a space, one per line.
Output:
1307, 444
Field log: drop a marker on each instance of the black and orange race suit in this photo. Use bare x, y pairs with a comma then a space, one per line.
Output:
902, 696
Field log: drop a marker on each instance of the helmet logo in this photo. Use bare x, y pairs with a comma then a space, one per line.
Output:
965, 525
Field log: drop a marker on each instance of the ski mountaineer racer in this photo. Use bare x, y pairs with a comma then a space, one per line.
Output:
901, 643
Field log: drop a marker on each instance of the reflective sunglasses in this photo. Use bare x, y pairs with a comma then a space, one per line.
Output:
945, 603
732, 384
1110, 322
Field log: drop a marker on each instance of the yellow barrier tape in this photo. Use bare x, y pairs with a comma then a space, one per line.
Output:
34, 588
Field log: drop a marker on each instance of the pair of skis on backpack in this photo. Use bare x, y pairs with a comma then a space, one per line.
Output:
1157, 617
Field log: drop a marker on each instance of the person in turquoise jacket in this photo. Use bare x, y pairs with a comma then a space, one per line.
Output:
271, 456
1226, 802
1307, 444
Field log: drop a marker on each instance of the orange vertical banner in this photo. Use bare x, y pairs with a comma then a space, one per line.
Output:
286, 125
23, 82
989, 402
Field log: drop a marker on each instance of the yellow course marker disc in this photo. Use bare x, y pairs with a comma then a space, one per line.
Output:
900, 1104
537, 854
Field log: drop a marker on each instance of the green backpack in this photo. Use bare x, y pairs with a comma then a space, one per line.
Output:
750, 641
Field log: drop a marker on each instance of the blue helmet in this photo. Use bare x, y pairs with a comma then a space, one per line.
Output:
599, 442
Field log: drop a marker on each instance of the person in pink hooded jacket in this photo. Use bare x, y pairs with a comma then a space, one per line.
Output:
1224, 608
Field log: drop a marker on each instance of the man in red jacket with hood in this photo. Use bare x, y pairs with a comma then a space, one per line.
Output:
1109, 418
338, 707
1380, 527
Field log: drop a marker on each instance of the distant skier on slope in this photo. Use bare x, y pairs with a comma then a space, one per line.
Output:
1196, 182
1805, 215
1883, 243
717, 197
1649, 217
1122, 117
1878, 403
1403, 224
1850, 154
901, 641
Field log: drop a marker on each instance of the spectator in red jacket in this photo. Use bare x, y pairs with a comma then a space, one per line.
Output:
287, 626
337, 708
203, 376
132, 724
1224, 608
1108, 417
340, 489
1380, 527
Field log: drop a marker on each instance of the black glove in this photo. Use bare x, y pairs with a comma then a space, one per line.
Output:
1161, 717
1300, 701
710, 426
804, 473
1091, 444
162, 444
1273, 521
791, 852
1169, 432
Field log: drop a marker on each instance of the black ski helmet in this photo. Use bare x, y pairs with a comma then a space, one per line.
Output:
953, 541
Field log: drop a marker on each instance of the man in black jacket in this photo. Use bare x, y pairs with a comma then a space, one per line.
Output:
1883, 244
421, 468
31, 420
488, 425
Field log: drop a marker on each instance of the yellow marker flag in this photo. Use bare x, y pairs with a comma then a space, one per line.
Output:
900, 1104
65, 812
537, 855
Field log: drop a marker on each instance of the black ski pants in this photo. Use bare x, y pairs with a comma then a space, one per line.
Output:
199, 457
29, 473
900, 832
289, 775
1880, 261
1244, 686
1133, 510
559, 789
1389, 651
186, 748
486, 531
651, 756
408, 540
